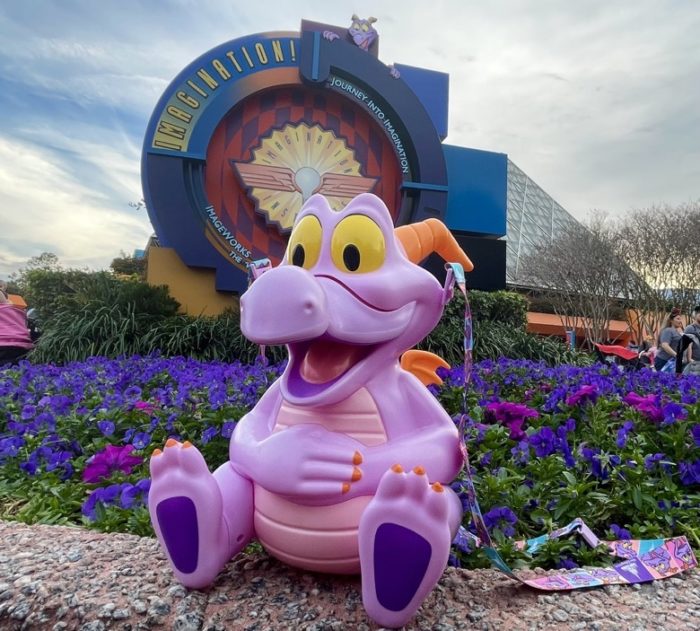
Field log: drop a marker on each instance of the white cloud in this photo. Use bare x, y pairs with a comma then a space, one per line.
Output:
45, 207
597, 102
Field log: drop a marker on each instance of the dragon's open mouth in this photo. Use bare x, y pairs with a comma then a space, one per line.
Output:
321, 362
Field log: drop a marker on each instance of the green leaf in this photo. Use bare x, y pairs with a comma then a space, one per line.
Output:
637, 497
569, 477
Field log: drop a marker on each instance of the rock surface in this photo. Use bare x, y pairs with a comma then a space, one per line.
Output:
59, 578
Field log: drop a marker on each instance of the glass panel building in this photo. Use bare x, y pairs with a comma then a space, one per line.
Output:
533, 219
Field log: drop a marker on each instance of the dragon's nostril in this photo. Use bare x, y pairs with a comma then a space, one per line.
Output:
309, 307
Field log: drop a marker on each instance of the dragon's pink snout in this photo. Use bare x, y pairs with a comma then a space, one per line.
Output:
284, 305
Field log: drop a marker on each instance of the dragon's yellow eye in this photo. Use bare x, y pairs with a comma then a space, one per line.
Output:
365, 27
305, 243
358, 245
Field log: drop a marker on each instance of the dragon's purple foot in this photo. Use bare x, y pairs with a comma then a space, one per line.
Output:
187, 512
404, 542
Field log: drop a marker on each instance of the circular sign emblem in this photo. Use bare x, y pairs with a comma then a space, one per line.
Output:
293, 163
251, 129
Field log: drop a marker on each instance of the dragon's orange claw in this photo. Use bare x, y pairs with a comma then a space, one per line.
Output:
397, 468
346, 487
156, 452
437, 487
356, 474
357, 458
171, 442
186, 444
419, 470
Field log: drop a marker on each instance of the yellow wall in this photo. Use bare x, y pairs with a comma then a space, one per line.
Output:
192, 288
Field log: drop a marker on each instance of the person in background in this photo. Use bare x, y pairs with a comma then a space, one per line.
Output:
669, 338
647, 352
693, 329
15, 340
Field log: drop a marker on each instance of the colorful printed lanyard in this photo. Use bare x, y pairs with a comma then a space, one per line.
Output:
643, 559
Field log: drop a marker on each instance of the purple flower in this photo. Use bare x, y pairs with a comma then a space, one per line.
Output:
501, 518
585, 394
569, 426
228, 427
9, 447
29, 466
626, 428
28, 412
105, 496
567, 563
17, 428
110, 459
485, 460
58, 459
141, 440
208, 434
647, 406
619, 532
690, 472
599, 462
45, 420
673, 412
144, 406
462, 540
133, 495
565, 448
512, 415
170, 422
106, 427
696, 434
521, 452
133, 392
651, 460
543, 441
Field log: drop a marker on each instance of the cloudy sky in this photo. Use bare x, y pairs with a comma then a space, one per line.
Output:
598, 102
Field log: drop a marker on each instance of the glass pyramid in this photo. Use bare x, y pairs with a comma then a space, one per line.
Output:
534, 219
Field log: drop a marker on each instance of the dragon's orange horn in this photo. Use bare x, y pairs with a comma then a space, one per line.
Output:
421, 239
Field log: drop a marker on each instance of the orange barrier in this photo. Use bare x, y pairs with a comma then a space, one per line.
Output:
550, 324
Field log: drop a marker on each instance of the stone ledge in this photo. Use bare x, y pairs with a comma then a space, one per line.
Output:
61, 578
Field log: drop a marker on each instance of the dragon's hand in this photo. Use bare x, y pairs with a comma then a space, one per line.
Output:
309, 461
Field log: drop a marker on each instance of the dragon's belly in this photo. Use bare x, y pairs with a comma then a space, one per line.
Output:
319, 538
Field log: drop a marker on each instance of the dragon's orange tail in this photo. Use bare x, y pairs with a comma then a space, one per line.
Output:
421, 239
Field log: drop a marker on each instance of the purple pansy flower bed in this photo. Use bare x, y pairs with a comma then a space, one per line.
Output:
547, 445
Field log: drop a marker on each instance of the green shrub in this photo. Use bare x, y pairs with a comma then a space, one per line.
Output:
121, 329
493, 340
506, 307
499, 320
93, 313
73, 335
53, 292
102, 289
205, 338
45, 290
98, 314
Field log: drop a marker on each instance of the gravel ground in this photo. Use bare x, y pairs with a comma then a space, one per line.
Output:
58, 578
